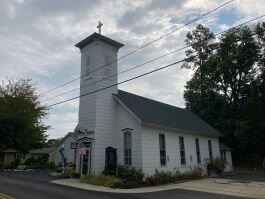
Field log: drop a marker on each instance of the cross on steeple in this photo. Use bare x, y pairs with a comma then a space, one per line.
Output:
99, 27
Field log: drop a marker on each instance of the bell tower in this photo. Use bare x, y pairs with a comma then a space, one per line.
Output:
97, 111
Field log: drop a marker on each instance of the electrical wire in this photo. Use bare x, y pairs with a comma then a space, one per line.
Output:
152, 60
141, 47
144, 74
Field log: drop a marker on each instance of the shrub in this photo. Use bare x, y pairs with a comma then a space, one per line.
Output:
69, 173
71, 164
30, 161
43, 160
59, 169
108, 172
39, 163
76, 175
164, 177
21, 167
130, 174
13, 165
130, 177
216, 164
160, 177
195, 173
52, 165
101, 180
128, 184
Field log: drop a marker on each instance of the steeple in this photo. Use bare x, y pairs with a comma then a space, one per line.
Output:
98, 110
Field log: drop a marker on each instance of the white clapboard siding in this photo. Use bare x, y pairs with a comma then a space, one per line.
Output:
151, 157
127, 120
68, 152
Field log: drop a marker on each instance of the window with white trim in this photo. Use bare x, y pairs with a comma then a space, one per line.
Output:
210, 149
127, 148
162, 147
19, 156
73, 145
182, 150
198, 151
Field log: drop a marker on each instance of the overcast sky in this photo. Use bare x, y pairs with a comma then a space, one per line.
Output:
37, 39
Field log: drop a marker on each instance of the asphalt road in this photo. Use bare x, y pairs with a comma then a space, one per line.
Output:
34, 185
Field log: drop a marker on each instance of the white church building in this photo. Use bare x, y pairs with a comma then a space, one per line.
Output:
121, 128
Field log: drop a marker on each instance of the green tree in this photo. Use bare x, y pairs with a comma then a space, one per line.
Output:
21, 115
260, 28
202, 43
231, 97
53, 142
234, 64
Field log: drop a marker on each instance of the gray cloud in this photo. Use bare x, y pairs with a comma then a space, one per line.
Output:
37, 41
137, 19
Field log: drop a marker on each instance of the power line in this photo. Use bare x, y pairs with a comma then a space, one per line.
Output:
141, 47
144, 74
137, 66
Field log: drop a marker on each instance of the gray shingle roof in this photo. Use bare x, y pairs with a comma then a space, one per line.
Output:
96, 36
46, 150
160, 114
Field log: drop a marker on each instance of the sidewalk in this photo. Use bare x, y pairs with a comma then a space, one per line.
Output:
227, 187
211, 185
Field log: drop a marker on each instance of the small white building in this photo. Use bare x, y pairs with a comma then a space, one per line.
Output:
70, 147
117, 127
226, 154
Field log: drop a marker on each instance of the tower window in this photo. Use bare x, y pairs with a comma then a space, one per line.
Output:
108, 66
88, 66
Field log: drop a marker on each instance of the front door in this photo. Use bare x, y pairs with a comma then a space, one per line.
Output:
85, 162
111, 160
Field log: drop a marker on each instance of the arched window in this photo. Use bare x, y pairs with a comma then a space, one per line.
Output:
127, 147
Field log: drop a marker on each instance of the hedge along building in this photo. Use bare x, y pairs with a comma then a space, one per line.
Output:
117, 127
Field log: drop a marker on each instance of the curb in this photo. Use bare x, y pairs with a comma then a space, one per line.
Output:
77, 184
